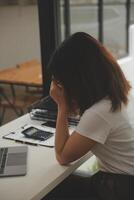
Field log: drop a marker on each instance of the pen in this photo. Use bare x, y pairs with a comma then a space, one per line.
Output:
24, 142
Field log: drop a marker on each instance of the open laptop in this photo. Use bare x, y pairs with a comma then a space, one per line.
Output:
13, 161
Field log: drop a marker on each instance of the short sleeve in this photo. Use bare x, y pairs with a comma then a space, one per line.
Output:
93, 126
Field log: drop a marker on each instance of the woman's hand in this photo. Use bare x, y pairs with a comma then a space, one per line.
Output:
57, 93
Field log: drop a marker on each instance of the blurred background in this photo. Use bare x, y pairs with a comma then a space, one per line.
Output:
107, 20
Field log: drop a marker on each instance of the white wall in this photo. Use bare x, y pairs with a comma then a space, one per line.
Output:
127, 63
19, 35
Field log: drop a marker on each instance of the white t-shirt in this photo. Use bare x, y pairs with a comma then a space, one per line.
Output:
114, 133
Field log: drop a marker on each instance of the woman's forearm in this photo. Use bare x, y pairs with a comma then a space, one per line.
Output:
62, 131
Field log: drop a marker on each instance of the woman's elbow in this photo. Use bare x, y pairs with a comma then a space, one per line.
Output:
62, 160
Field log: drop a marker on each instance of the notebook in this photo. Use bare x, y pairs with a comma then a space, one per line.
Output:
13, 161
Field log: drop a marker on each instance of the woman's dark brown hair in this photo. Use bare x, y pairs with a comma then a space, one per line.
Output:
88, 72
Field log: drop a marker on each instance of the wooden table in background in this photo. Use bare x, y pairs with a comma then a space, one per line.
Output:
27, 74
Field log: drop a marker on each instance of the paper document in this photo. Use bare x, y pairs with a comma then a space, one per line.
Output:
18, 136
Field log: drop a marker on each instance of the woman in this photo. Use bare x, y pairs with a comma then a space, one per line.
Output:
86, 80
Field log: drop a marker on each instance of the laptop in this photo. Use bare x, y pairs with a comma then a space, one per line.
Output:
46, 110
13, 161
46, 103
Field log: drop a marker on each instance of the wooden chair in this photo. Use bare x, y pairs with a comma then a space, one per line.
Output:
18, 104
4, 103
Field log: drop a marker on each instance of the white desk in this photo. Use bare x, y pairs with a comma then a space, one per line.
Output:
43, 173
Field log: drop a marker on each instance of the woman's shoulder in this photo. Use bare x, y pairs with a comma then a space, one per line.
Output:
103, 109
100, 111
102, 106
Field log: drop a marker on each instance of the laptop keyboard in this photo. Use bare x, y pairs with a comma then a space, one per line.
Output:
3, 157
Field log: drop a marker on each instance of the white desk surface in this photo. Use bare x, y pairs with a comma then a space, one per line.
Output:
43, 173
